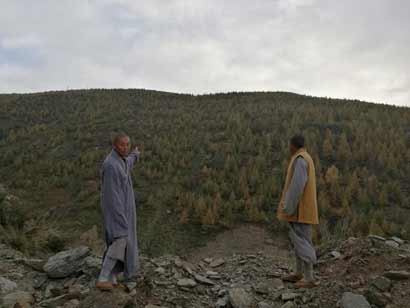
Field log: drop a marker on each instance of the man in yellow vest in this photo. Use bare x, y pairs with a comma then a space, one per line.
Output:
298, 206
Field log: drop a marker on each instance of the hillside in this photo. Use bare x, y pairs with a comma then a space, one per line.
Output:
209, 162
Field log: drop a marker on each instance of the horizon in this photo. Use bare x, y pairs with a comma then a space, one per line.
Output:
213, 93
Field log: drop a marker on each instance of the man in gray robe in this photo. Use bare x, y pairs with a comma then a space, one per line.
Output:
119, 213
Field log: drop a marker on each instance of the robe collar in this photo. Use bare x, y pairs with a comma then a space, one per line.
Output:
121, 159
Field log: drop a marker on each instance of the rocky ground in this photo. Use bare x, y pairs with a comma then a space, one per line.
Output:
368, 272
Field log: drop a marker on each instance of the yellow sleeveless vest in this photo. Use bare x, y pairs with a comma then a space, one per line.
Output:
307, 211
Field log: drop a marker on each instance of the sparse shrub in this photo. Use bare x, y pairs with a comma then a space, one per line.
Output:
55, 242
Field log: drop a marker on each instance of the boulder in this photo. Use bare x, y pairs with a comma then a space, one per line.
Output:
66, 263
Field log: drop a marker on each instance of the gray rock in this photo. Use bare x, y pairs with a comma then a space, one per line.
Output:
186, 282
160, 270
377, 298
75, 291
335, 254
397, 275
36, 264
6, 285
277, 284
376, 237
66, 263
18, 299
351, 300
264, 305
53, 289
178, 262
381, 283
213, 275
222, 292
54, 301
92, 266
239, 298
397, 240
289, 305
203, 280
392, 244
217, 262
131, 286
222, 302
39, 280
208, 260
287, 296
405, 247
262, 288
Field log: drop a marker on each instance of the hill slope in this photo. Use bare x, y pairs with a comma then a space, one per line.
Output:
208, 161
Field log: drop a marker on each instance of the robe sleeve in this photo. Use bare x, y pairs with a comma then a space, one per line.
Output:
114, 203
132, 158
296, 187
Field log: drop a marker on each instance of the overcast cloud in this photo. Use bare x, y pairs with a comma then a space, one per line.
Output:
346, 49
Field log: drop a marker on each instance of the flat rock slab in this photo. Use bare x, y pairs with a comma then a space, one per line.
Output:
203, 280
397, 275
186, 283
376, 237
351, 300
217, 262
289, 296
397, 240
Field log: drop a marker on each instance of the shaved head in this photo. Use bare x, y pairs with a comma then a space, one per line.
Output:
115, 137
121, 143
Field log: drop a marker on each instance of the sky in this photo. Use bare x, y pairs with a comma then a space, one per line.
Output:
344, 49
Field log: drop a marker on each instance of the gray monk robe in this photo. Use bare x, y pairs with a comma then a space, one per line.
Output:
119, 212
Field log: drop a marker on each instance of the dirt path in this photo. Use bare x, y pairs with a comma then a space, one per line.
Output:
244, 239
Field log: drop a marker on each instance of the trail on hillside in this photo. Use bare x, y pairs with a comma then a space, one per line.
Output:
242, 240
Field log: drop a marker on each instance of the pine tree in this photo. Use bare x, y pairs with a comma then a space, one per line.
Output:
327, 147
343, 150
332, 175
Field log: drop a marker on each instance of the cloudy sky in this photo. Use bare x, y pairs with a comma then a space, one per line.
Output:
346, 49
